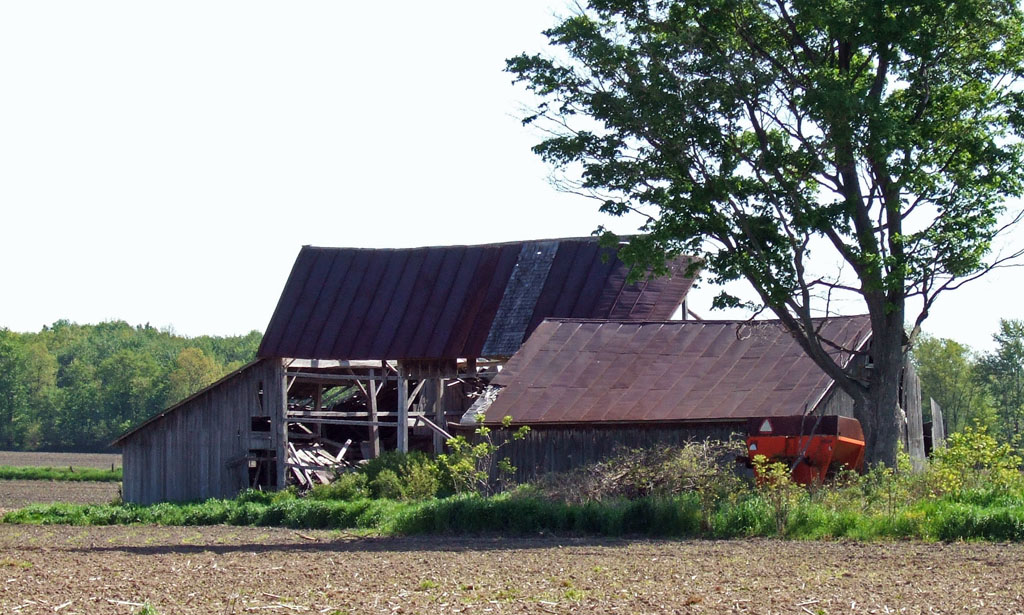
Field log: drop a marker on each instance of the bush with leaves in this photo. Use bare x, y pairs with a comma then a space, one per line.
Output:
776, 485
347, 486
403, 476
973, 461
467, 465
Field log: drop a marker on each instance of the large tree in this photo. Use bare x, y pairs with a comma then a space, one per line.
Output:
826, 151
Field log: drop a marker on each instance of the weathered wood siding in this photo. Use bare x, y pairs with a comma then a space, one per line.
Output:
837, 403
198, 449
558, 449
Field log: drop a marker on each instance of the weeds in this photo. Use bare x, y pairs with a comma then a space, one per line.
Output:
693, 492
69, 474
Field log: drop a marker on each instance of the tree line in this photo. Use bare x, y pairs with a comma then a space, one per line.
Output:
984, 388
77, 387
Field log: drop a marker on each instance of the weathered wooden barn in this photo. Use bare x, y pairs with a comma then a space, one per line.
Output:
372, 349
587, 388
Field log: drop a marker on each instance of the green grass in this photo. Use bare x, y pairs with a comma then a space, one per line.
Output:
72, 474
934, 519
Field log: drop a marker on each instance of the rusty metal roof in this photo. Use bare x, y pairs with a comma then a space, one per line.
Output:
454, 301
578, 371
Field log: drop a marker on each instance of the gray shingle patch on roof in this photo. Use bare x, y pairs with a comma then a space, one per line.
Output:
520, 298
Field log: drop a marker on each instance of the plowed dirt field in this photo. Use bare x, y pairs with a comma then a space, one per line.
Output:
103, 461
18, 493
258, 570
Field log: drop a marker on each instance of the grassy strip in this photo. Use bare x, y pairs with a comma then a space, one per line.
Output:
72, 474
656, 517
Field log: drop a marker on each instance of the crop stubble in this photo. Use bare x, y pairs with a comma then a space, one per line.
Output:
249, 570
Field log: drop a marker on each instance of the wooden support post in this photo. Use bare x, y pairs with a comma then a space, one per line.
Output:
281, 414
403, 410
915, 426
439, 417
938, 428
374, 429
318, 404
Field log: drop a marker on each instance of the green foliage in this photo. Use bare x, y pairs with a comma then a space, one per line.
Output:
974, 461
832, 152
1002, 373
12, 390
69, 474
775, 482
77, 387
466, 468
403, 476
950, 375
387, 485
347, 486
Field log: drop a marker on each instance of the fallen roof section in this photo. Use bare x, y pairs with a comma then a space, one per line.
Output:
455, 301
580, 371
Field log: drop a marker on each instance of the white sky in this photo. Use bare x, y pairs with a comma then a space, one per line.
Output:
164, 162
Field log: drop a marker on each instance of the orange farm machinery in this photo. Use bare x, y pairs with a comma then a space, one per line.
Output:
815, 447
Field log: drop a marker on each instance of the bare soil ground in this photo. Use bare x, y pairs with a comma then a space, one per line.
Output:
250, 570
18, 493
102, 461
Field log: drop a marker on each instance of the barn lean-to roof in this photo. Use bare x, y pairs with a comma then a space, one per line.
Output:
579, 371
455, 301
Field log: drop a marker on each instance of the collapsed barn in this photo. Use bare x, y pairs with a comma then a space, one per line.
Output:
378, 349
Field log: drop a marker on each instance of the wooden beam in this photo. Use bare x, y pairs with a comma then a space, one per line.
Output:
299, 415
374, 429
412, 396
341, 422
318, 404
280, 422
440, 435
434, 427
341, 378
403, 411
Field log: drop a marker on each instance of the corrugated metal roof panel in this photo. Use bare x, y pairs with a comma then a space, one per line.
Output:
584, 371
454, 301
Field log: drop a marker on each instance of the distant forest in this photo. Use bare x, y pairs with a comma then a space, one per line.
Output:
77, 387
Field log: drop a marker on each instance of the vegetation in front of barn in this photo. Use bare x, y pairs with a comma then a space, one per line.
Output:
973, 489
70, 473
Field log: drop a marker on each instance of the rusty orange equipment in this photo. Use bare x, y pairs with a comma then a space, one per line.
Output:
814, 446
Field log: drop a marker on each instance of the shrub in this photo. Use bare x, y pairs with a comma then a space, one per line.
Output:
974, 461
467, 466
775, 482
403, 476
421, 481
348, 486
387, 485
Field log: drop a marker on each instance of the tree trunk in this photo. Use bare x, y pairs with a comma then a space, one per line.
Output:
879, 410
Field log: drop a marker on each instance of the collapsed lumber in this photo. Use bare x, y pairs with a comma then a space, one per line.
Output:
312, 464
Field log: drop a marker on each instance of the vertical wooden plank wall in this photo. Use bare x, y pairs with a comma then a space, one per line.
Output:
198, 449
546, 450
915, 419
938, 427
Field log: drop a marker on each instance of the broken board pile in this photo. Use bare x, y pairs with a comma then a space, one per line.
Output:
312, 464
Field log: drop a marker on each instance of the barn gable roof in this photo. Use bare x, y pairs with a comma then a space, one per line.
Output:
454, 301
579, 371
